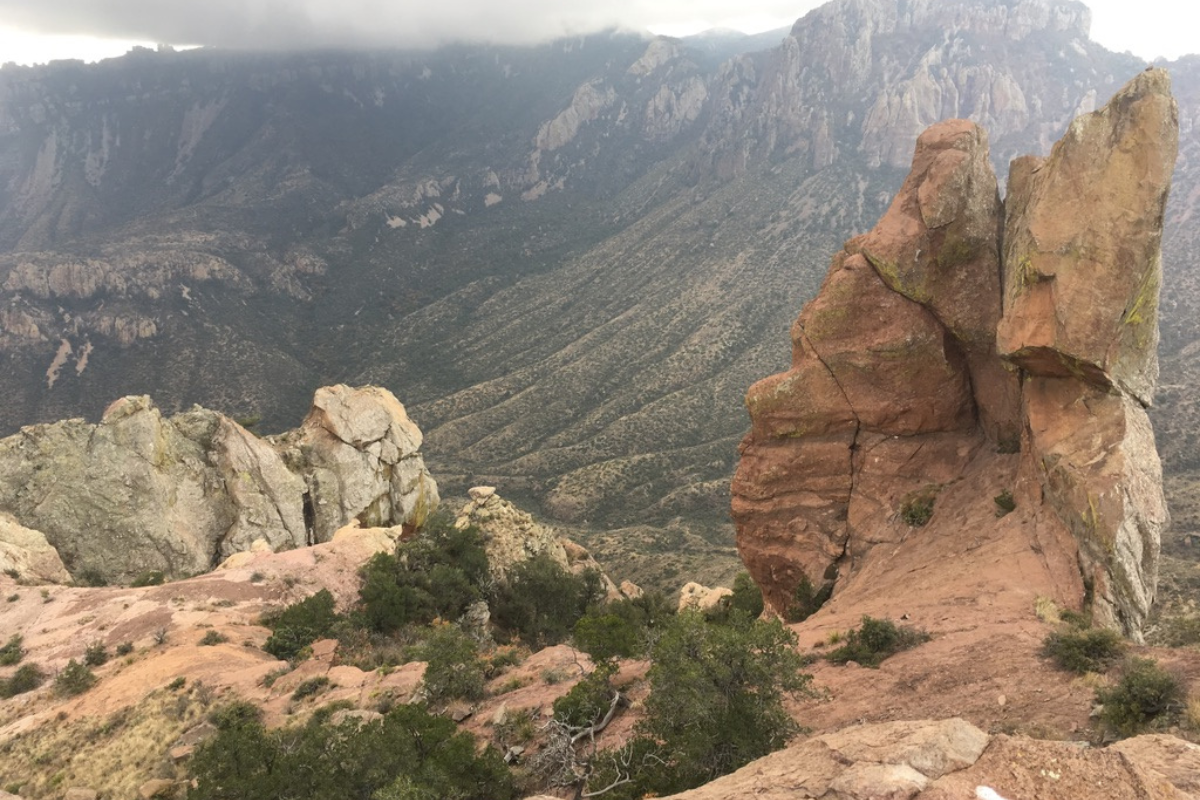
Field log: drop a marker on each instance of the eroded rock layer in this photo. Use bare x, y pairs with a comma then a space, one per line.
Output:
959, 328
139, 492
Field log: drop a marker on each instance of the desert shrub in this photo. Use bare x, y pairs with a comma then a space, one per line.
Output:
310, 687
12, 652
1084, 649
301, 624
916, 508
746, 597
589, 700
806, 600
409, 754
1145, 694
124, 648
74, 679
177, 684
90, 576
27, 678
1005, 504
517, 727
453, 667
605, 636
95, 654
874, 641
541, 601
213, 637
437, 574
151, 577
715, 704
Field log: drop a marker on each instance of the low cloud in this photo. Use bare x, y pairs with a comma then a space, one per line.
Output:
274, 24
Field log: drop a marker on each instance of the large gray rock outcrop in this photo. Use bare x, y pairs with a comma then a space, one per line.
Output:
142, 492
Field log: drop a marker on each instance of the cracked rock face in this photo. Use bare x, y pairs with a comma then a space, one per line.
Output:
958, 328
140, 492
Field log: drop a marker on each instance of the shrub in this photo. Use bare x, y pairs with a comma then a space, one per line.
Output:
589, 700
148, 578
301, 624
1084, 650
90, 576
541, 601
453, 668
746, 597
310, 687
177, 684
806, 600
213, 637
916, 508
409, 754
124, 648
95, 655
874, 641
1145, 694
74, 679
605, 636
12, 652
715, 704
437, 574
27, 678
1004, 503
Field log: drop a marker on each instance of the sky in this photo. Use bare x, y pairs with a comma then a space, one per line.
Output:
35, 31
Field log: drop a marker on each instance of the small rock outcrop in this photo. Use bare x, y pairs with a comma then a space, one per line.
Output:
961, 329
141, 492
511, 537
26, 555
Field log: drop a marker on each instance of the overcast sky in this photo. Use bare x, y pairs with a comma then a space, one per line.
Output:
38, 30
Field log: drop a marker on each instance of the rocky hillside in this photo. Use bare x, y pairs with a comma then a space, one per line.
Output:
570, 260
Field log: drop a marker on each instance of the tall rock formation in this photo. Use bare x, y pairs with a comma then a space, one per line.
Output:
913, 367
140, 492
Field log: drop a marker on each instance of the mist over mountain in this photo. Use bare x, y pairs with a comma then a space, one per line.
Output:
569, 261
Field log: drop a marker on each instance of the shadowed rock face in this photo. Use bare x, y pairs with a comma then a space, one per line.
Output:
957, 328
139, 492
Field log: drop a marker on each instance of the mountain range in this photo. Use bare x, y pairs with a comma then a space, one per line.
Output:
568, 261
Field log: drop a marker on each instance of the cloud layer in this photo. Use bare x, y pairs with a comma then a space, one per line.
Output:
369, 23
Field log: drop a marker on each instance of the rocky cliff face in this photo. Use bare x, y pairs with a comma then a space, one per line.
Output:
141, 492
913, 366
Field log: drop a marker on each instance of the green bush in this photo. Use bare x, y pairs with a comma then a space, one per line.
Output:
310, 687
747, 597
408, 755
12, 652
916, 508
1005, 504
124, 648
1145, 695
27, 678
541, 601
589, 700
1084, 650
874, 641
437, 574
715, 704
301, 624
148, 578
95, 655
806, 600
453, 667
74, 679
213, 637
